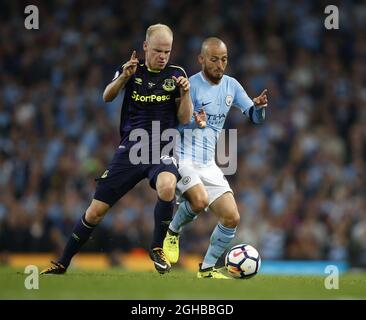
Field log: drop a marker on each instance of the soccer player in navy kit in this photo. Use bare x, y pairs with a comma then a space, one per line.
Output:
153, 91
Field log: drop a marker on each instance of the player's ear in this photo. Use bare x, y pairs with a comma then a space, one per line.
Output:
201, 59
145, 46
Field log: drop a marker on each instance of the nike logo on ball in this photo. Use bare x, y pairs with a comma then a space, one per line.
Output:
238, 253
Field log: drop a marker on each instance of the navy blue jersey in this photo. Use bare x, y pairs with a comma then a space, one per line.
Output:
149, 96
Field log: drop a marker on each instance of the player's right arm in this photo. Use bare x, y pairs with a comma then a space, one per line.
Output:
200, 118
119, 82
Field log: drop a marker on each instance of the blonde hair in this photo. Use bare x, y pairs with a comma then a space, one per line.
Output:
158, 27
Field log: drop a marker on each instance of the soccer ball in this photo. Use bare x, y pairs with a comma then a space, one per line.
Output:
243, 261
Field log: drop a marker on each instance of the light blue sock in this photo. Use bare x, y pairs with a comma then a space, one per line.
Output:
220, 241
184, 215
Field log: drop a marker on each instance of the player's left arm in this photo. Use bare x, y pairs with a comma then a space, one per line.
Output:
257, 112
185, 106
254, 108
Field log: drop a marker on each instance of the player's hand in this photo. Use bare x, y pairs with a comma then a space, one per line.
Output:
262, 100
130, 67
200, 118
182, 82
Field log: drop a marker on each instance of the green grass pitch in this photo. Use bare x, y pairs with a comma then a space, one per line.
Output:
122, 284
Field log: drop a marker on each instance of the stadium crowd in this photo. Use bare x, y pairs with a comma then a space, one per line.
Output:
301, 179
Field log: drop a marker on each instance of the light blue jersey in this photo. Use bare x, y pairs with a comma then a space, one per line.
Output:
198, 145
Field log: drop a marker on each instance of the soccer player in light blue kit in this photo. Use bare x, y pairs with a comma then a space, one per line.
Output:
203, 184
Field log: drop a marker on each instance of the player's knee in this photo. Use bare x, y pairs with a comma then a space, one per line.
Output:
94, 215
197, 197
231, 220
166, 191
199, 203
165, 186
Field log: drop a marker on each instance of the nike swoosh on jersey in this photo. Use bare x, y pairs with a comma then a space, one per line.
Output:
205, 104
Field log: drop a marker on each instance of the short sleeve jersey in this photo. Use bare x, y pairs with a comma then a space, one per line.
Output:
149, 96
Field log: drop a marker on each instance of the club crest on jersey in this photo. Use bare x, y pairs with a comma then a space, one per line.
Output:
168, 85
229, 101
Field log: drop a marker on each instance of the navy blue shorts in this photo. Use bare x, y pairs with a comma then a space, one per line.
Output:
122, 176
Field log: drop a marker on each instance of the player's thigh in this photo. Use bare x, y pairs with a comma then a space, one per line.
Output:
188, 178
215, 182
225, 208
117, 182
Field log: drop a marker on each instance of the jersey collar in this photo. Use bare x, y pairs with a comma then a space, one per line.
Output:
208, 81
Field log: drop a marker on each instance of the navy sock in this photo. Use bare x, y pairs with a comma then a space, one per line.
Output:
163, 214
79, 236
